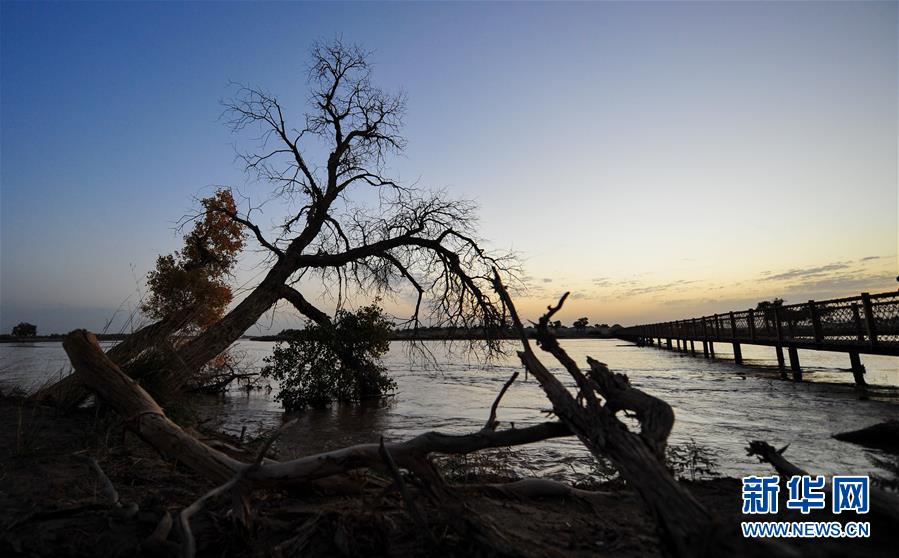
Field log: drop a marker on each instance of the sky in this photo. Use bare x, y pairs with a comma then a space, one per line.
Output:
658, 160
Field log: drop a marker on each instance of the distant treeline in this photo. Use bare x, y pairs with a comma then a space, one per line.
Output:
7, 338
441, 333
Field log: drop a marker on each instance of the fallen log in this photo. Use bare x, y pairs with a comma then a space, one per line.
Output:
68, 392
144, 416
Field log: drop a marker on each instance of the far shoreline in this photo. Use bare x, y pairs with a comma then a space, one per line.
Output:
424, 334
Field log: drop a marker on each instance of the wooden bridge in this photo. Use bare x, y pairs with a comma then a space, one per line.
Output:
865, 324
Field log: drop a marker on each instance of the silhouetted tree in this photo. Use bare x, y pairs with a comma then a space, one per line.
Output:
410, 239
581, 323
413, 238
24, 329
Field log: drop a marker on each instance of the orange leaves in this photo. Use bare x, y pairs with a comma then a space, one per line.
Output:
194, 278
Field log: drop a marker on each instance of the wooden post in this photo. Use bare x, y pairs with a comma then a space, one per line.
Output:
733, 327
751, 321
705, 338
778, 328
858, 369
857, 320
794, 364
779, 347
869, 319
738, 354
816, 322
692, 347
711, 349
791, 332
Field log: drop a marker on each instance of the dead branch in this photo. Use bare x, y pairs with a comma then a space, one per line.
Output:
189, 546
655, 416
400, 484
774, 457
106, 486
492, 423
544, 488
682, 521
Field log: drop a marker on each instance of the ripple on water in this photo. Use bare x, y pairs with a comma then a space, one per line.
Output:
717, 404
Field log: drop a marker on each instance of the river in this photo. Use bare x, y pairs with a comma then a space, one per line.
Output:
718, 405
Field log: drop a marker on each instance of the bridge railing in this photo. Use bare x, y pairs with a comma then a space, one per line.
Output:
868, 320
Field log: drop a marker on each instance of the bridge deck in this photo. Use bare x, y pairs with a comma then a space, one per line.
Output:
864, 324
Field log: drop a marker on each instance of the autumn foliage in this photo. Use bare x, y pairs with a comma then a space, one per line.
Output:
194, 279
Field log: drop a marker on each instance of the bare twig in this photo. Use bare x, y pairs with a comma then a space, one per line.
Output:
411, 508
492, 423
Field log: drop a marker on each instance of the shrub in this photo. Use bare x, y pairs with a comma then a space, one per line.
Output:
339, 361
691, 460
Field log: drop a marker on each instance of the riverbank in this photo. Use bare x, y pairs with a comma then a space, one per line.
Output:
52, 503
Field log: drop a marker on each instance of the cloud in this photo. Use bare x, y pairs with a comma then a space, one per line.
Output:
839, 285
634, 291
798, 273
869, 258
546, 280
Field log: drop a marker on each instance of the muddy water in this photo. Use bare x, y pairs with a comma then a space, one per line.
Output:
718, 405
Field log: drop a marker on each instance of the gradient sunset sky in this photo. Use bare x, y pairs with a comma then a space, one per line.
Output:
659, 160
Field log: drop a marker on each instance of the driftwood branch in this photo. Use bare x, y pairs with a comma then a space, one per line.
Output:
683, 523
68, 392
655, 416
492, 423
411, 508
189, 546
774, 457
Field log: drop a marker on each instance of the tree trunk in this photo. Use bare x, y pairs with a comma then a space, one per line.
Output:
220, 335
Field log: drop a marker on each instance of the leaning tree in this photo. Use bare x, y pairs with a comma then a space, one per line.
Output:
410, 238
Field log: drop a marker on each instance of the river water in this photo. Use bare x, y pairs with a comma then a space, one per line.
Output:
718, 405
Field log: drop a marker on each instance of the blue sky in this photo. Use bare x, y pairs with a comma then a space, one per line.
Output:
654, 158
